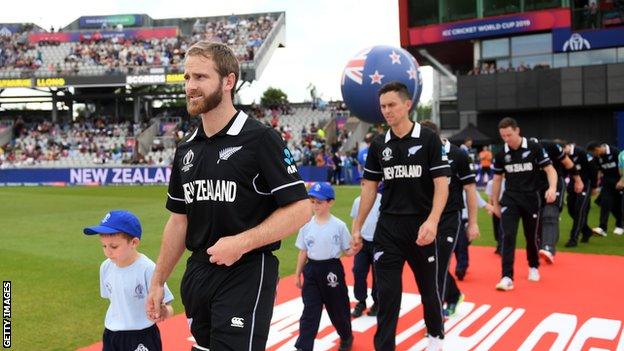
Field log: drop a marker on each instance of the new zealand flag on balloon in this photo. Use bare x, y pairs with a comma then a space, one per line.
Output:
369, 70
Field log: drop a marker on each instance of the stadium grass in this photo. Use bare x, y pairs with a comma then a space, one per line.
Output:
54, 267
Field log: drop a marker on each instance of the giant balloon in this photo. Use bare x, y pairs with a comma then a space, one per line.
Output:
369, 70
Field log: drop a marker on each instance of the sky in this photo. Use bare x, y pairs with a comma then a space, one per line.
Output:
321, 35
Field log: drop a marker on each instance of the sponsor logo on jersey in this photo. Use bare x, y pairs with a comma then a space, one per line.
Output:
237, 322
332, 280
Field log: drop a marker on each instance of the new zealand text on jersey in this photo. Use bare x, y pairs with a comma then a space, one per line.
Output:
402, 171
519, 167
209, 190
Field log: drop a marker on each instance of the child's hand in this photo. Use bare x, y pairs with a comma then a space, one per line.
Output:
166, 311
299, 281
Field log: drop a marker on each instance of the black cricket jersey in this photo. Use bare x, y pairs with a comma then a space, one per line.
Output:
556, 154
608, 164
521, 167
462, 173
584, 164
407, 166
231, 181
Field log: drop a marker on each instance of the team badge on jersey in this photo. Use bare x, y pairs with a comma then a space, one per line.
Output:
187, 161
387, 154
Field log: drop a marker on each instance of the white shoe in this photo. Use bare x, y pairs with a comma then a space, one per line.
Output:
599, 231
534, 275
505, 284
547, 256
435, 343
618, 231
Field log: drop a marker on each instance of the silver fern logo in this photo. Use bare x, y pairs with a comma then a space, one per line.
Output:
227, 152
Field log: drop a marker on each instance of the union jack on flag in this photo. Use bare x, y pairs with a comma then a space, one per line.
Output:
355, 67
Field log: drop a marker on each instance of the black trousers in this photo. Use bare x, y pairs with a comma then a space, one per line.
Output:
496, 226
461, 248
125, 340
395, 243
610, 201
323, 285
516, 206
549, 224
230, 308
362, 263
448, 232
578, 209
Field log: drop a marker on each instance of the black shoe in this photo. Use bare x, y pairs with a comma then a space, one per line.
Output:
460, 274
346, 344
571, 243
585, 239
498, 251
373, 310
359, 308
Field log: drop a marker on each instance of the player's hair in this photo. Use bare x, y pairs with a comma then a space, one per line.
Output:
507, 122
593, 145
397, 87
223, 57
427, 123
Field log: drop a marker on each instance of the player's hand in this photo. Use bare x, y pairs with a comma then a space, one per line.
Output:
619, 185
427, 233
550, 195
154, 302
299, 281
490, 209
472, 231
356, 241
496, 210
578, 186
226, 250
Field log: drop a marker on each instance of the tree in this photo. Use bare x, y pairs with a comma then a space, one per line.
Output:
273, 98
423, 111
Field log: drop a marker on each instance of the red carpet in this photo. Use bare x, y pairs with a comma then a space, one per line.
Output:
577, 305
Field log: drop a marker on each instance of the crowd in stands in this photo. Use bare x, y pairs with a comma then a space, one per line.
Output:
490, 68
244, 34
95, 142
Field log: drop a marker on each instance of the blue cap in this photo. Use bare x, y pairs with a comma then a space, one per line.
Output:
322, 191
115, 222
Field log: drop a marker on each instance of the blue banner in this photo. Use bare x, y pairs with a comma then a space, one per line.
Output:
85, 176
565, 40
133, 175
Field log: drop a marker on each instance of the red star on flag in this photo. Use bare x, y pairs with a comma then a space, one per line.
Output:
376, 78
396, 58
412, 73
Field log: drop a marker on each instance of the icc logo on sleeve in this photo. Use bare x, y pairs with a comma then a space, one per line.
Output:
187, 161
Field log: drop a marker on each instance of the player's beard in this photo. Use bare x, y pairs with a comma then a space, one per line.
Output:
206, 104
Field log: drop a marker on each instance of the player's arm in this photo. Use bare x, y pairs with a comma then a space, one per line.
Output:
281, 223
496, 189
302, 258
573, 171
472, 206
367, 200
551, 174
171, 250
